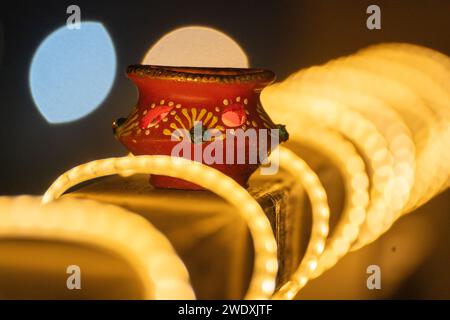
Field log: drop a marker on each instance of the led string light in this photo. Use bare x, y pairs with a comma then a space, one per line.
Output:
296, 166
344, 72
403, 92
419, 118
442, 60
428, 73
432, 84
319, 230
397, 95
374, 101
425, 59
389, 124
265, 266
386, 120
342, 153
162, 273
435, 98
426, 160
356, 128
425, 179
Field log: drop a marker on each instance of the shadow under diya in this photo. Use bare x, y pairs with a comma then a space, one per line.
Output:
207, 105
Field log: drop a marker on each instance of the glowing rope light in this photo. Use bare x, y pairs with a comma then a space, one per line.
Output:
425, 59
401, 94
162, 273
408, 103
431, 84
378, 223
397, 96
386, 120
427, 72
389, 122
265, 266
432, 95
355, 127
363, 100
342, 153
429, 167
319, 231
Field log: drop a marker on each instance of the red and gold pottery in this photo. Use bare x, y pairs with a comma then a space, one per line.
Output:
192, 100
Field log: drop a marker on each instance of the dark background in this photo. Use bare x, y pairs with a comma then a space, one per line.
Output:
280, 35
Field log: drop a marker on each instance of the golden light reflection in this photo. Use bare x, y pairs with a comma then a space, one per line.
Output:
265, 266
320, 213
105, 226
381, 116
351, 165
392, 102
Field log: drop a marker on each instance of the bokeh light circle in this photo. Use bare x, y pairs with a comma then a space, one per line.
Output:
72, 72
197, 46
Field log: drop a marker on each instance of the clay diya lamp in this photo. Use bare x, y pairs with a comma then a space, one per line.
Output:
209, 105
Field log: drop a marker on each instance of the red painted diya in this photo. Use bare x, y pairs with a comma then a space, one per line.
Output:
200, 107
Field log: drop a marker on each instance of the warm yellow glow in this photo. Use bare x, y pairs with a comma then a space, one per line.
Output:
353, 126
343, 154
105, 226
196, 46
426, 77
381, 116
320, 213
262, 283
392, 102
